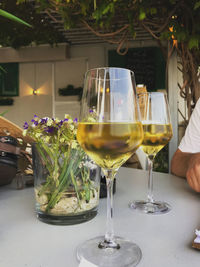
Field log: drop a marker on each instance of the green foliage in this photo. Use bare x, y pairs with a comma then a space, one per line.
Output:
197, 5
194, 42
62, 157
104, 16
15, 35
183, 16
142, 14
153, 10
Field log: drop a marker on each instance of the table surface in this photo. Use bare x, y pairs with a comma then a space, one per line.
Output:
165, 240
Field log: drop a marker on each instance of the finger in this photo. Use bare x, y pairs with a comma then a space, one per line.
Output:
196, 183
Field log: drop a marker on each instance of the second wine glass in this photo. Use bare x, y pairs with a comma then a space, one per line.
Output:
109, 131
157, 129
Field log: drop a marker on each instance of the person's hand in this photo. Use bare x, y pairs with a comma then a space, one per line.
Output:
193, 172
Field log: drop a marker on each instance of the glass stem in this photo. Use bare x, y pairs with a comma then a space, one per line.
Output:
109, 241
109, 236
150, 180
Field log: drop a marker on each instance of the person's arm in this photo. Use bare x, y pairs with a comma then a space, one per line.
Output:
187, 165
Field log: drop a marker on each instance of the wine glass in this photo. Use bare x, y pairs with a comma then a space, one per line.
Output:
109, 130
157, 130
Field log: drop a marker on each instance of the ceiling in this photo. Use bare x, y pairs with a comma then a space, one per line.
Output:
82, 35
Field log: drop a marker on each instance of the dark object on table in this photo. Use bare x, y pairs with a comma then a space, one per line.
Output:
196, 241
196, 245
9, 152
103, 188
12, 135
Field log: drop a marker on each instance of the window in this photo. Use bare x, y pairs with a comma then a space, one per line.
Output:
9, 79
147, 63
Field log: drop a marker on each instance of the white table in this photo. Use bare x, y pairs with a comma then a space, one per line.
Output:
165, 240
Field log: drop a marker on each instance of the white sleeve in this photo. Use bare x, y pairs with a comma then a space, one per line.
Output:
191, 140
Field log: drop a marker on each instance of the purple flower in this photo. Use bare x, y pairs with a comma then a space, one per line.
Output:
34, 122
49, 129
75, 120
60, 124
25, 125
66, 119
91, 111
43, 121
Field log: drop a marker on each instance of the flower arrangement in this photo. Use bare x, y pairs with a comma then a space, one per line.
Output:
67, 187
53, 131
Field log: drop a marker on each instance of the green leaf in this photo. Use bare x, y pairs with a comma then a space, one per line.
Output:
181, 36
95, 5
103, 10
75, 186
2, 70
142, 15
87, 193
193, 42
197, 5
153, 11
84, 8
12, 17
108, 8
3, 113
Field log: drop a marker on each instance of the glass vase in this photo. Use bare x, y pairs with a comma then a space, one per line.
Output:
66, 184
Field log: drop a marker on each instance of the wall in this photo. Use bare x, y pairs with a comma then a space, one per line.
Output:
27, 104
57, 70
72, 72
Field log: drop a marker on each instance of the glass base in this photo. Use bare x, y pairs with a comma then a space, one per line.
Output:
126, 254
156, 207
68, 219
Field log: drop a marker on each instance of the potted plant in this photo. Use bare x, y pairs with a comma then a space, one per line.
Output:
66, 181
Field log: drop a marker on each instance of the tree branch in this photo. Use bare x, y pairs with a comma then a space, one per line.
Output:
104, 34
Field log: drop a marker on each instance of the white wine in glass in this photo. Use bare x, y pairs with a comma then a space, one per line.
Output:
109, 130
157, 130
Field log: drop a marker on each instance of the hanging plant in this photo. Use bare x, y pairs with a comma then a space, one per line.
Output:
70, 90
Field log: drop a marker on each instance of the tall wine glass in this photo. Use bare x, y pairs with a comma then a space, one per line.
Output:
157, 133
109, 131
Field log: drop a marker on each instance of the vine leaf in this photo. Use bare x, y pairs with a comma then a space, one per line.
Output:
12, 17
197, 5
